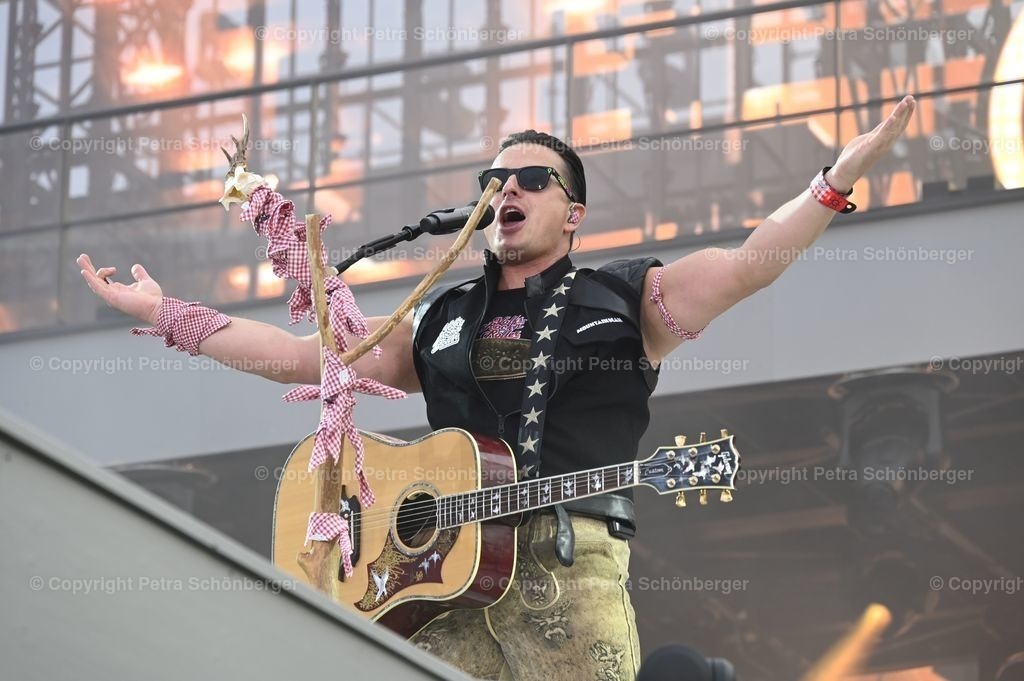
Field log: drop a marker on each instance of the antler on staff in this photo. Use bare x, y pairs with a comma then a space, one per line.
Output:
239, 183
238, 158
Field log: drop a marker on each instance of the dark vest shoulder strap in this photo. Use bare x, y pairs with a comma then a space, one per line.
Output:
601, 292
630, 271
591, 292
617, 286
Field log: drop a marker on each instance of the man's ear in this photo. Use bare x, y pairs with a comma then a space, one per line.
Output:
577, 211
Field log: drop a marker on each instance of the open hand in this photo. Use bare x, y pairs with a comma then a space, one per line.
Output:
864, 150
140, 300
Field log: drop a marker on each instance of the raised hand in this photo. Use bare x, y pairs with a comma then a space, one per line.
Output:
140, 300
864, 150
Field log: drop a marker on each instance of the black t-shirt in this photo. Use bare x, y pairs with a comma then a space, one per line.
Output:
501, 350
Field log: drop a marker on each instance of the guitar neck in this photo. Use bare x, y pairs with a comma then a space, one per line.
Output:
454, 510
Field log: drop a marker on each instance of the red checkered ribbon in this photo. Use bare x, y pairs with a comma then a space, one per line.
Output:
339, 382
327, 526
273, 217
184, 325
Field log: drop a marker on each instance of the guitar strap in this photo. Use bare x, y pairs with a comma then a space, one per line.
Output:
538, 375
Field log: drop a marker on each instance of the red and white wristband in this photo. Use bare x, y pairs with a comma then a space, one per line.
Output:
829, 196
185, 325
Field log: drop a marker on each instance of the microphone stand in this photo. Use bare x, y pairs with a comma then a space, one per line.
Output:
407, 233
438, 222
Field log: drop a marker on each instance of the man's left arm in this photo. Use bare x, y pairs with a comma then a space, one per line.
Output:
702, 285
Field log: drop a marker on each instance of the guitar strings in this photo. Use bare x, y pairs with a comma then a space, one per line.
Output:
414, 511
427, 508
423, 510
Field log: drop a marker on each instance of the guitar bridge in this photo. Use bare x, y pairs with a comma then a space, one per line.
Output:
350, 508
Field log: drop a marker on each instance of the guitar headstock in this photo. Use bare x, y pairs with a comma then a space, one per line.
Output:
701, 466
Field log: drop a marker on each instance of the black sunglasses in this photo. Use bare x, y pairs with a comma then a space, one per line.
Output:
530, 178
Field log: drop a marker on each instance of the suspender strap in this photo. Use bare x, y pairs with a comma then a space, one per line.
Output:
538, 374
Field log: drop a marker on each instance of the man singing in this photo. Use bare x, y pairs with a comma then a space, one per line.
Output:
471, 348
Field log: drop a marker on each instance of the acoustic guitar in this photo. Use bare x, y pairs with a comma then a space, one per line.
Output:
442, 533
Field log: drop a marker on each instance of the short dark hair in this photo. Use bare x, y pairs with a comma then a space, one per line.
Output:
575, 176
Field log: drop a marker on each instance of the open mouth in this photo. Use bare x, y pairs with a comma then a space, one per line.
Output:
511, 217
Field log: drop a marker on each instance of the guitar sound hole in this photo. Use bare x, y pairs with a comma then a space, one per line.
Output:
417, 519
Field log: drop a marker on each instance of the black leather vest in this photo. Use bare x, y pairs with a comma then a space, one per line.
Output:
601, 382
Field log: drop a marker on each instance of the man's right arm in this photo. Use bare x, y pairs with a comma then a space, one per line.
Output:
257, 347
276, 354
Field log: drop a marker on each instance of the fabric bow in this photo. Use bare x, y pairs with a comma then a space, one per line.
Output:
327, 526
339, 382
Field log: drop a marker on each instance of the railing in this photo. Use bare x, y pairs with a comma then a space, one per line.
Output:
691, 127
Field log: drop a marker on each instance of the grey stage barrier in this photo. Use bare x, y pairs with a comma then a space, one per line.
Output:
101, 580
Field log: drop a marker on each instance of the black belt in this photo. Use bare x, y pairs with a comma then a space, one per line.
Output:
613, 508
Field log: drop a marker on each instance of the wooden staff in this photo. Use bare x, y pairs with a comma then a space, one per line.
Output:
317, 562
322, 561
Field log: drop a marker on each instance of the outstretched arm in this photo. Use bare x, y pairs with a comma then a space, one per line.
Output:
702, 285
256, 347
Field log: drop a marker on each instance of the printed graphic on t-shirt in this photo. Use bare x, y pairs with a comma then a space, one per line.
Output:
503, 327
500, 352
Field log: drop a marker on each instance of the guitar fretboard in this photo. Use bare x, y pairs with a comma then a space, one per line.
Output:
494, 502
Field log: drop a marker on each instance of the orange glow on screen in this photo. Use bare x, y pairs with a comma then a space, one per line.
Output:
606, 126
616, 238
1005, 124
151, 74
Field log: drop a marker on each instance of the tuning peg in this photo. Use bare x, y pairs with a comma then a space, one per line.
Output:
680, 440
725, 433
716, 478
680, 500
703, 437
693, 481
726, 496
703, 498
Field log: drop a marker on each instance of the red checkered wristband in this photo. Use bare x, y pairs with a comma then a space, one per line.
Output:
829, 196
185, 325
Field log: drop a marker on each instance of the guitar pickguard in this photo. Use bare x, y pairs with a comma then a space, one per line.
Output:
393, 571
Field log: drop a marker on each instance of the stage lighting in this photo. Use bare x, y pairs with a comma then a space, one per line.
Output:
896, 582
891, 434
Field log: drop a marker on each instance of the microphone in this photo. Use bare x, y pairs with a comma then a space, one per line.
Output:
444, 221
452, 220
682, 663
